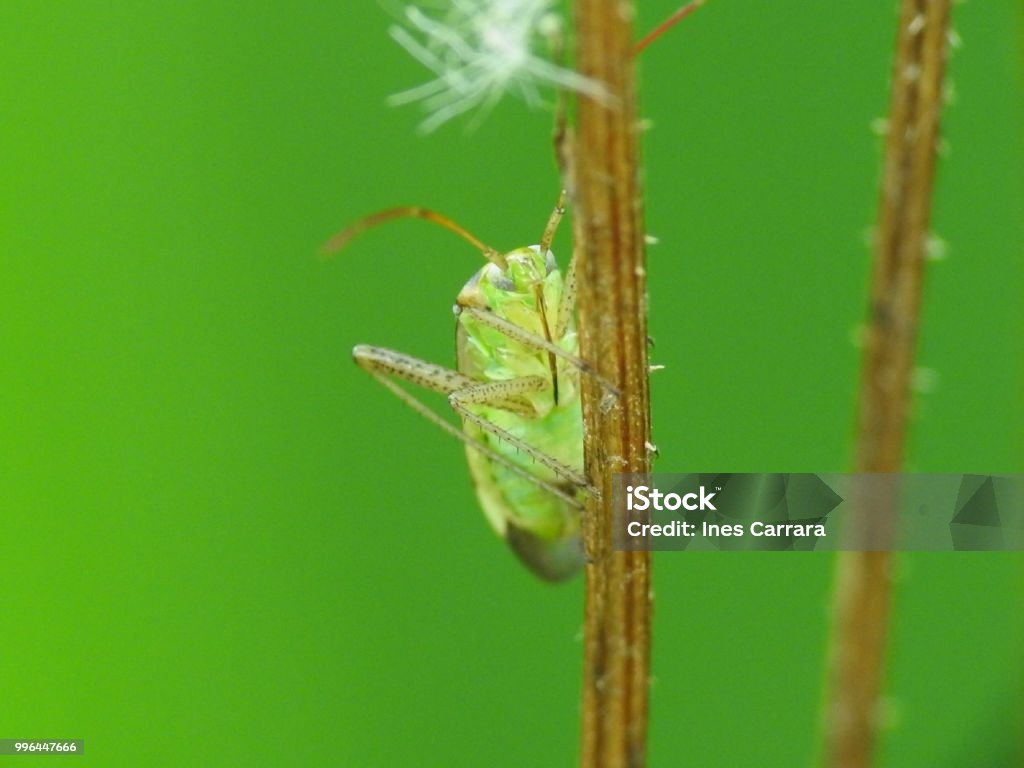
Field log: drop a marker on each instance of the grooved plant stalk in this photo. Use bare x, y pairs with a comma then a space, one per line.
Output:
613, 336
862, 590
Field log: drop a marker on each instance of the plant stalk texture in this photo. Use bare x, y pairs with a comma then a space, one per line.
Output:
863, 579
613, 336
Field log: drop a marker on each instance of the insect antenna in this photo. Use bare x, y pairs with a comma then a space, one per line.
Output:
552, 225
667, 24
342, 239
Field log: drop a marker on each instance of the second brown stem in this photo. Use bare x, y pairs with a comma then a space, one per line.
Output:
863, 579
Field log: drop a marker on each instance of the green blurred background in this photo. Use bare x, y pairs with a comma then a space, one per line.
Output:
223, 544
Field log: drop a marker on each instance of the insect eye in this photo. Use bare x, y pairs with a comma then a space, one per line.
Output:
503, 282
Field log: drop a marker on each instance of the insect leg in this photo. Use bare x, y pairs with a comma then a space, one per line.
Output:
523, 336
489, 393
567, 303
382, 363
427, 375
564, 140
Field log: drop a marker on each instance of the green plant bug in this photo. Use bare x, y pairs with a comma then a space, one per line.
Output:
515, 387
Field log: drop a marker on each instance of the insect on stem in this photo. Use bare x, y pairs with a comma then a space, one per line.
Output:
515, 387
341, 240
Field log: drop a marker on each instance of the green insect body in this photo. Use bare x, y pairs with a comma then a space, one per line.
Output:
541, 527
516, 388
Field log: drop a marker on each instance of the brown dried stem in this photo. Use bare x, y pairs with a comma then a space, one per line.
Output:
613, 335
863, 579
